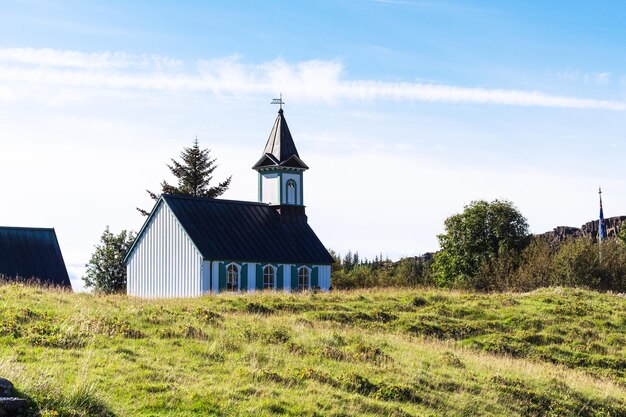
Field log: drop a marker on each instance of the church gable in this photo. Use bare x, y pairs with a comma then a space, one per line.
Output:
163, 261
267, 161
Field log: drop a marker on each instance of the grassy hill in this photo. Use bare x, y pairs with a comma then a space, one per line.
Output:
383, 352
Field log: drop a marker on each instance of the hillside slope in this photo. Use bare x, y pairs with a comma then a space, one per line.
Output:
372, 353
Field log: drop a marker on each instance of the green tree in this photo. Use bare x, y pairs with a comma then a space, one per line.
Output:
478, 235
106, 271
348, 261
411, 272
622, 233
194, 173
336, 266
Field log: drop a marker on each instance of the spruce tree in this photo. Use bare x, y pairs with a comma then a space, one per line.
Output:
106, 270
194, 173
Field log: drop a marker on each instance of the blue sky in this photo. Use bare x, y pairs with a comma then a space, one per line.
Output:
404, 110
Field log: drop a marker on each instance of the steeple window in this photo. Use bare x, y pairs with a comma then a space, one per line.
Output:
291, 192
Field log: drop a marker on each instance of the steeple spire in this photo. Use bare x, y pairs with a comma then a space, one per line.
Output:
280, 149
281, 170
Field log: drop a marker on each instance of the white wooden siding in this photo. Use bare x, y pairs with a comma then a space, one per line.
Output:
287, 277
165, 263
251, 277
323, 277
206, 277
270, 188
216, 276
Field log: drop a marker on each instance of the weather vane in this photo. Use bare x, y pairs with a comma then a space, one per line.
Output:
279, 101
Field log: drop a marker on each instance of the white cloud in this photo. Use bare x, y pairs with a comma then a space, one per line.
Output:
31, 71
596, 78
73, 59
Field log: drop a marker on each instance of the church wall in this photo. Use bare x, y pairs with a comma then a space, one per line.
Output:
270, 188
251, 277
324, 277
297, 178
286, 278
164, 263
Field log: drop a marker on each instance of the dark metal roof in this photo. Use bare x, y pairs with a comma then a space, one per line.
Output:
280, 150
245, 231
32, 253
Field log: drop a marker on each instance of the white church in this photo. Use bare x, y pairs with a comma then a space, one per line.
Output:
190, 246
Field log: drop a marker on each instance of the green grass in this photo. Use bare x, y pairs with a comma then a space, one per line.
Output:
368, 353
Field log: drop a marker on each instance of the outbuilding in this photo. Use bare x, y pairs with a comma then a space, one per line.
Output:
32, 255
191, 246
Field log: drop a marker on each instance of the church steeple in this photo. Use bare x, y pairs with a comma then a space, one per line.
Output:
280, 167
280, 150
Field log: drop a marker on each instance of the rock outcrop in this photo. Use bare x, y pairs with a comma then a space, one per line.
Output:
589, 230
11, 406
6, 388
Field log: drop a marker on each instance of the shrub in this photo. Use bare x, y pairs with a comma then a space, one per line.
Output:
494, 274
579, 264
536, 266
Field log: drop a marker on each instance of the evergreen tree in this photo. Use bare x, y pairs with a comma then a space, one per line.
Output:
336, 266
347, 262
194, 173
106, 271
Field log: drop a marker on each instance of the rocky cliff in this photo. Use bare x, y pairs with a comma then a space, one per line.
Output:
590, 229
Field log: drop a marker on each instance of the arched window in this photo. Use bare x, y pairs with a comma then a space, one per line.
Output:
303, 279
232, 278
269, 278
291, 192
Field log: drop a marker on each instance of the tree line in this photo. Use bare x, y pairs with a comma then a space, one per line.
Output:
488, 247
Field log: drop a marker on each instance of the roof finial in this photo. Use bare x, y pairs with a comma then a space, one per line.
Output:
279, 101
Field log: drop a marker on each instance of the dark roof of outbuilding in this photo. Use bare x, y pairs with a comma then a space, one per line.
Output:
244, 231
32, 253
280, 150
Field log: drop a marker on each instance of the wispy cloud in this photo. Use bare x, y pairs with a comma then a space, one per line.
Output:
73, 59
598, 78
29, 70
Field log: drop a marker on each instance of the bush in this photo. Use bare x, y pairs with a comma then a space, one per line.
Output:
495, 274
536, 266
407, 272
579, 264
